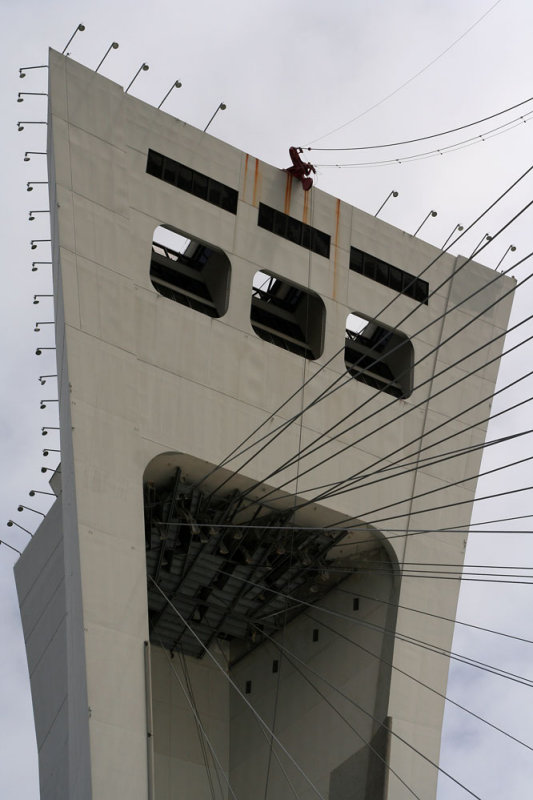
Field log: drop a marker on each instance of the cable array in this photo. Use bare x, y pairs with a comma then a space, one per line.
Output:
424, 138
281, 428
439, 151
292, 658
411, 79
417, 453
403, 569
313, 446
441, 651
204, 739
240, 693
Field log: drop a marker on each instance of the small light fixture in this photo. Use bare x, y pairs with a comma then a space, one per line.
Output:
31, 184
37, 324
35, 296
458, 227
221, 107
175, 85
10, 547
27, 508
485, 238
33, 492
142, 68
10, 523
39, 350
39, 211
431, 214
44, 431
81, 27
29, 153
44, 402
33, 246
23, 122
21, 95
42, 378
23, 70
112, 46
510, 249
394, 193
35, 269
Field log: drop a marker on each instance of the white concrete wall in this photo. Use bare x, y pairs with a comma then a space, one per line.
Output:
50, 622
323, 724
40, 579
191, 709
141, 375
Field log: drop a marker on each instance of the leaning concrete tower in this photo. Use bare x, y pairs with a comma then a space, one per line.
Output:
206, 614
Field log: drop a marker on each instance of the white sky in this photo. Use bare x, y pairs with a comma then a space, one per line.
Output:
290, 72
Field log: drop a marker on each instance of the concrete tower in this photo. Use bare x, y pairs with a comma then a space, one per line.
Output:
204, 631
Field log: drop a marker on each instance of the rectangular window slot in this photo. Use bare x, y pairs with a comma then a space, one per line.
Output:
275, 665
248, 687
355, 604
379, 357
295, 231
393, 277
197, 278
315, 634
187, 179
287, 315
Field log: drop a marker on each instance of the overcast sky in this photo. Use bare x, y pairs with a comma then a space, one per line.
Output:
290, 73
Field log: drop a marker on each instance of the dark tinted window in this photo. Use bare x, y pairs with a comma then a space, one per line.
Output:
199, 185
155, 164
320, 243
189, 180
266, 217
295, 231
379, 357
288, 316
185, 179
397, 279
197, 277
